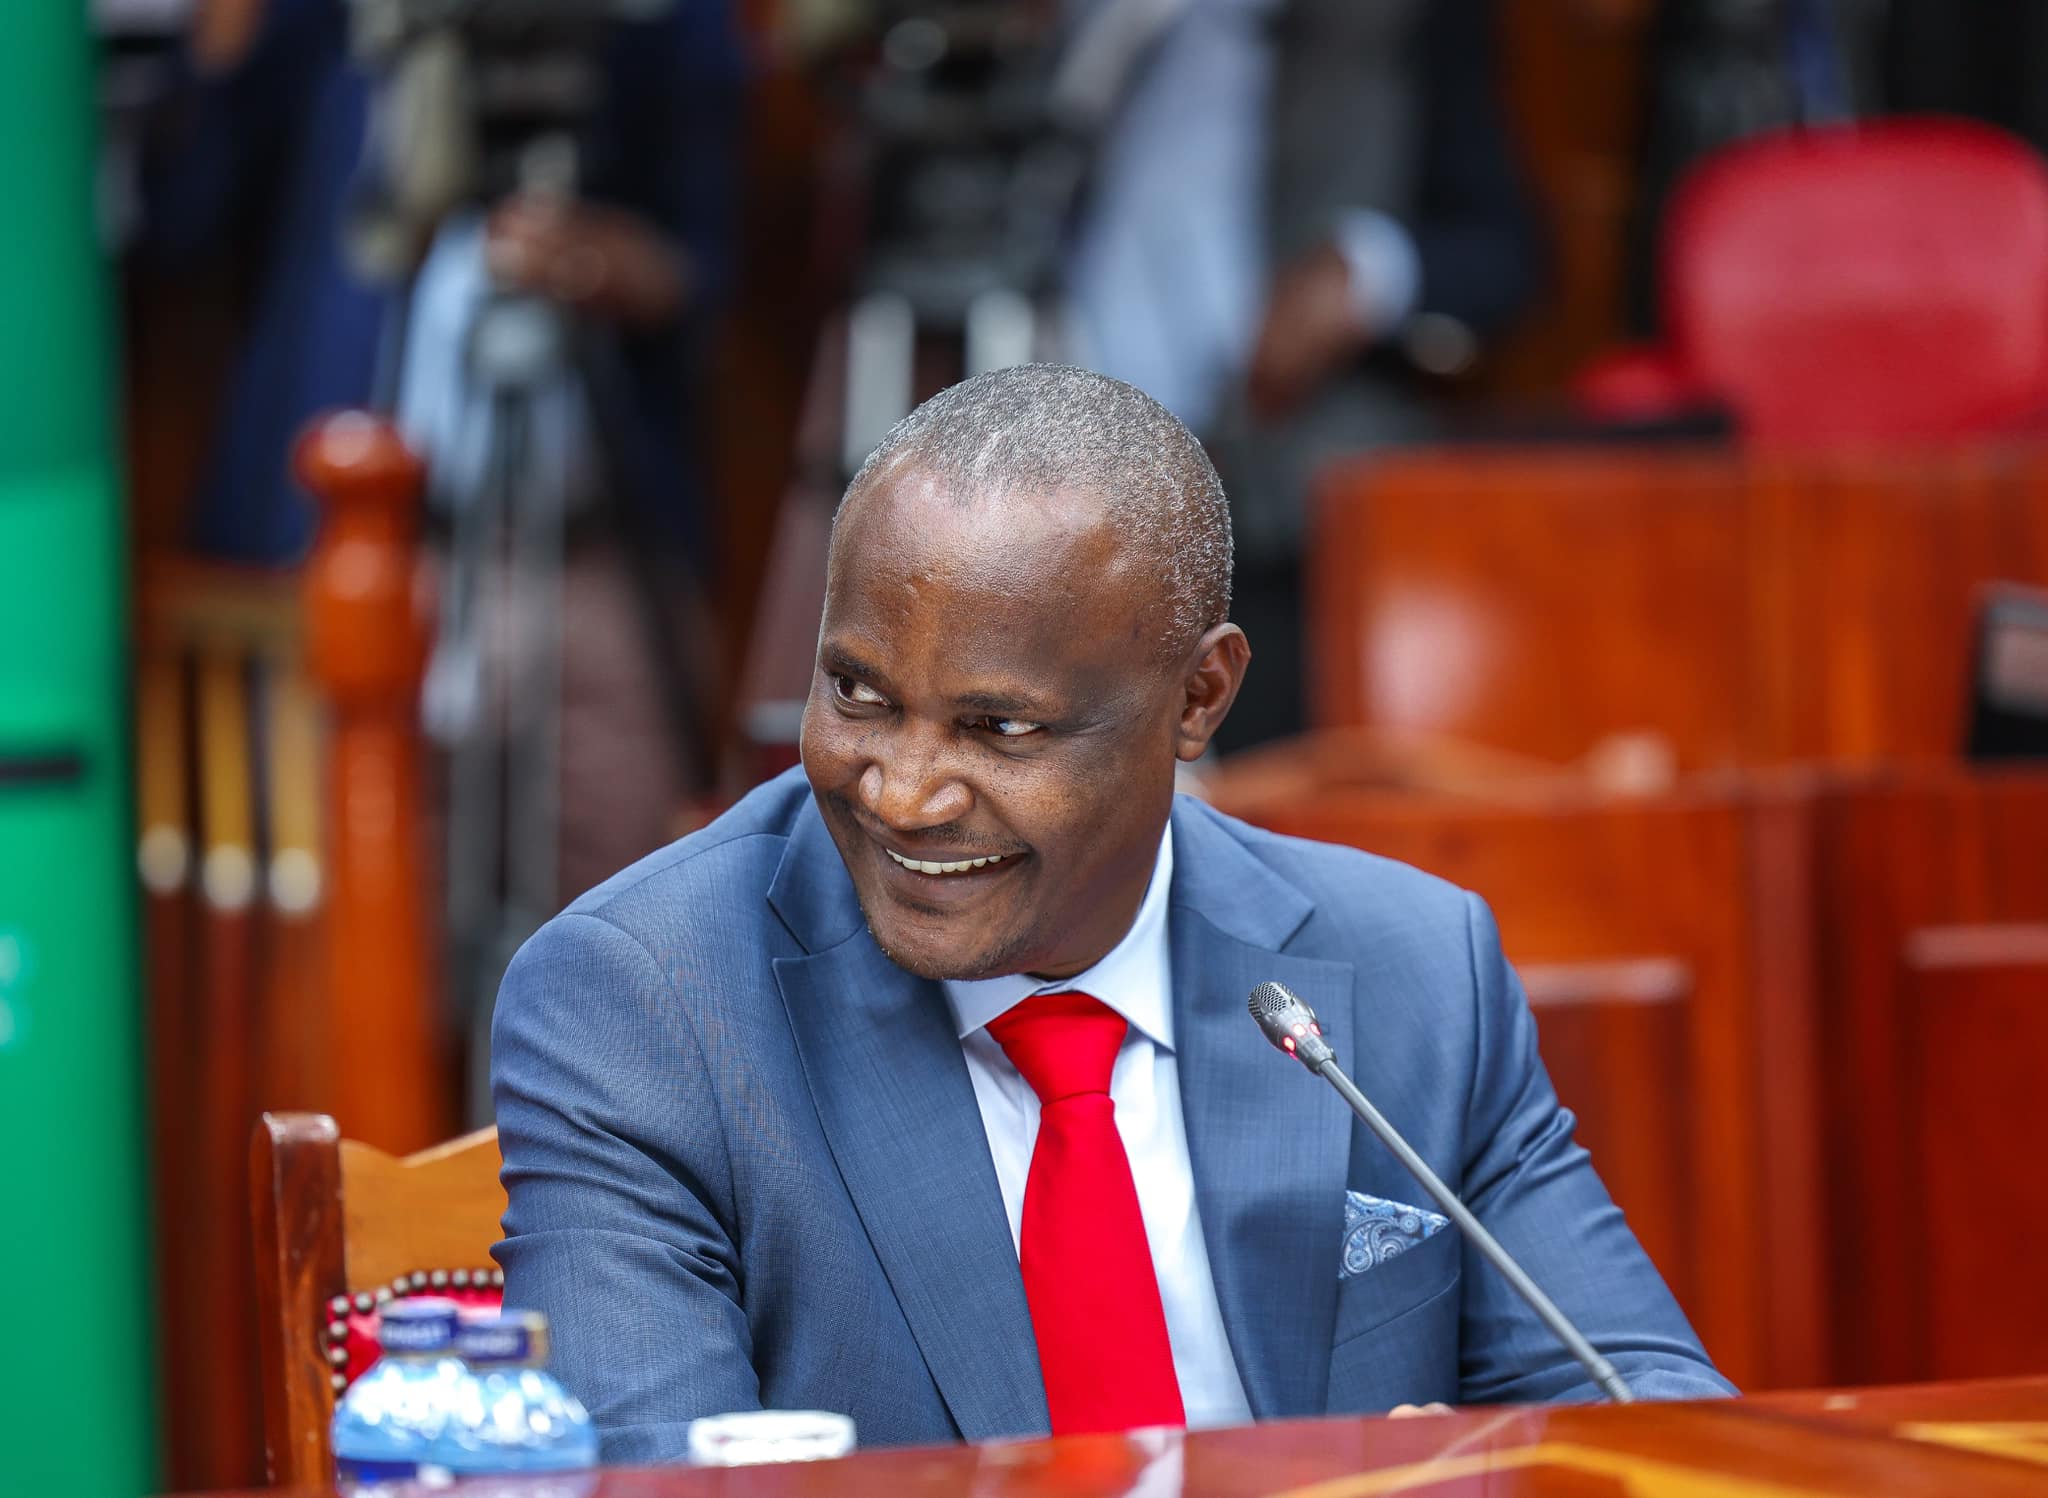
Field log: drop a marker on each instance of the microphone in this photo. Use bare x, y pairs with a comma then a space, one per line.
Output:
1291, 1025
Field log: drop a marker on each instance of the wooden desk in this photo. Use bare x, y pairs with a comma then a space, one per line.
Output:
1945, 1439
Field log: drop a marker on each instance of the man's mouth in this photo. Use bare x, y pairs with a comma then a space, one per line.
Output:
956, 866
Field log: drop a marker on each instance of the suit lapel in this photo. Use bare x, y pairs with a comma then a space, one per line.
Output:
891, 1087
1269, 1144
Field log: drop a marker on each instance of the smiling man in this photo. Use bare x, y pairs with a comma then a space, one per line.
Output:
920, 1085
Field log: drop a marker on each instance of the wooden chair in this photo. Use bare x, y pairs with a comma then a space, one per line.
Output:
339, 1227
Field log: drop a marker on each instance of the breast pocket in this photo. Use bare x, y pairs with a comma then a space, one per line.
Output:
1396, 1334
1395, 1286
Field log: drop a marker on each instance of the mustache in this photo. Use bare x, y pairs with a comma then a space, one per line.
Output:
949, 837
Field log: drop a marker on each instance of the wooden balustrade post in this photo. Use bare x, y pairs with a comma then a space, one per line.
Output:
366, 648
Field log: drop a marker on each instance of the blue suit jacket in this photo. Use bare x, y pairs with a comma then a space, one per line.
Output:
746, 1167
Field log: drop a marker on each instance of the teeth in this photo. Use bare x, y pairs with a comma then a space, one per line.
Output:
926, 866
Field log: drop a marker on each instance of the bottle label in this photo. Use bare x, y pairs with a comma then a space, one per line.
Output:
414, 1334
356, 1472
501, 1341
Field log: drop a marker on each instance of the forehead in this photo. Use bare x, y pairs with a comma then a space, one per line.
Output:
1031, 580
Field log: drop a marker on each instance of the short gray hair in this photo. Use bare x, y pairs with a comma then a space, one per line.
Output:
1039, 427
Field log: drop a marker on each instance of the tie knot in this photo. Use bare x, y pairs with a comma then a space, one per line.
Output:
1065, 1044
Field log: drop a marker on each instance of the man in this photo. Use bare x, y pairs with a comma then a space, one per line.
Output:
927, 1092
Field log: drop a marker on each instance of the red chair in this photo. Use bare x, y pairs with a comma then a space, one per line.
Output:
1878, 281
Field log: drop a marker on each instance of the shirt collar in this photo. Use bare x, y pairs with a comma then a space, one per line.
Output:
1134, 978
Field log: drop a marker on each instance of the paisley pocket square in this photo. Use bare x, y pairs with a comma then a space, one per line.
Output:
1376, 1230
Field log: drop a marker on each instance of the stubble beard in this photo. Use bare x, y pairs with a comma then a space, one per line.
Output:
998, 962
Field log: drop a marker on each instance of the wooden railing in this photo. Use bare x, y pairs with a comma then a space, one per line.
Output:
286, 893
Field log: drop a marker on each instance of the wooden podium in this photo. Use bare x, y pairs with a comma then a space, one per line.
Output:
1984, 1439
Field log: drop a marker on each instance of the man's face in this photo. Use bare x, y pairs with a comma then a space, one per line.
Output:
988, 688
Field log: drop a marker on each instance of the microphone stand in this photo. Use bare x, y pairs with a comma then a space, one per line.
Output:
1291, 1025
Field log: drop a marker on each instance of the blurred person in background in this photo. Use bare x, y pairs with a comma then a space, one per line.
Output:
1302, 211
262, 143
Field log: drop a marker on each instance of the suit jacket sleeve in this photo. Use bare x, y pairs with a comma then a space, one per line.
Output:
1537, 1192
626, 1242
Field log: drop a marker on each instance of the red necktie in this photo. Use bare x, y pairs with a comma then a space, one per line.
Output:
1088, 1274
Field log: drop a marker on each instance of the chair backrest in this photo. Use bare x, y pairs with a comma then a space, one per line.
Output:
340, 1229
1731, 608
1887, 280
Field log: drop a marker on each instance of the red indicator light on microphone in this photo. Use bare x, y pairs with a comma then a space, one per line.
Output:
1300, 1030
1288, 1041
1317, 1028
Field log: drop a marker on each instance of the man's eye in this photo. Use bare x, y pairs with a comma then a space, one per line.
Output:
860, 692
1012, 728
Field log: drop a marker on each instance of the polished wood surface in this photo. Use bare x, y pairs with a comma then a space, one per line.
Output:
439, 1208
334, 1217
366, 647
1742, 610
1931, 894
233, 976
295, 1218
1538, 602
1989, 1439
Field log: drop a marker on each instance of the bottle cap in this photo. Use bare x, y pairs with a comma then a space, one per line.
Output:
755, 1436
416, 1324
502, 1337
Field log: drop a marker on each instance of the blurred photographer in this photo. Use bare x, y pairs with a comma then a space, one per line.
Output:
265, 140
1305, 215
263, 148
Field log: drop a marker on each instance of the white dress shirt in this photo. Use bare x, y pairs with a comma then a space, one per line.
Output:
1136, 980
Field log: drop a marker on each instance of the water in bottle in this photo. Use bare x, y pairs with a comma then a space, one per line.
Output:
390, 1423
512, 1415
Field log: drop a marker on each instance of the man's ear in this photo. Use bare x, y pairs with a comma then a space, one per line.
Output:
1210, 687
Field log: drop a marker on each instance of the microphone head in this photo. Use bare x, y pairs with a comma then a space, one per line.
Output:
1289, 1023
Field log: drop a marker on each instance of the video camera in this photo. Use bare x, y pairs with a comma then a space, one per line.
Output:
474, 100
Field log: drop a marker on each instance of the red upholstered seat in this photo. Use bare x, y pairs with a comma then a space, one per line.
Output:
1882, 281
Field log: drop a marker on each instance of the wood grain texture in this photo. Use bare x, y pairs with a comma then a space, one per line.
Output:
1530, 601
1746, 610
366, 644
222, 1059
1906, 1441
1977, 1024
296, 1224
1899, 853
438, 1209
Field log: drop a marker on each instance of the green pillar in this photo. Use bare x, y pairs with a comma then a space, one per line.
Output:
76, 1380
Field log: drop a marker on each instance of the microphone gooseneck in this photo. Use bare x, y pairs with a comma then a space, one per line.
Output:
1291, 1026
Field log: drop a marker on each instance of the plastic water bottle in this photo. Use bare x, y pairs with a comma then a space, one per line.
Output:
512, 1416
390, 1424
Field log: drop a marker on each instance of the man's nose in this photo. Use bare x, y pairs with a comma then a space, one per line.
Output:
914, 787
